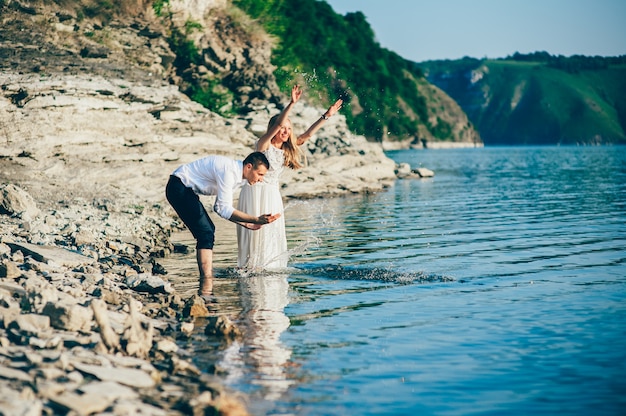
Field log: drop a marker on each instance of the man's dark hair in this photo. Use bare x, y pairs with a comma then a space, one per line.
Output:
256, 158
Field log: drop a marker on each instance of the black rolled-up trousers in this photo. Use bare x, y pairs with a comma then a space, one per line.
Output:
189, 208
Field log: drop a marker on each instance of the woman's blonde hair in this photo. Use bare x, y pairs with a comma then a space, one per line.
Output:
290, 148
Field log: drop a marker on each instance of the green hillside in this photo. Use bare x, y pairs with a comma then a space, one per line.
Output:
337, 55
234, 56
538, 99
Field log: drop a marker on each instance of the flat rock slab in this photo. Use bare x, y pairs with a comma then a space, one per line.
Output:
13, 374
52, 254
110, 390
127, 376
82, 404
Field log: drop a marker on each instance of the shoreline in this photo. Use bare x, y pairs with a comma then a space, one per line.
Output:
89, 325
87, 322
405, 145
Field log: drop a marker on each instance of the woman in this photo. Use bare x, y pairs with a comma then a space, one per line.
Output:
267, 248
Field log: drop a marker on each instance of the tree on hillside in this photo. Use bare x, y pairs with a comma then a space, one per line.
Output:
339, 56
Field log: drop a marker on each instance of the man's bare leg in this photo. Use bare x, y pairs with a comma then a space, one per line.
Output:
205, 266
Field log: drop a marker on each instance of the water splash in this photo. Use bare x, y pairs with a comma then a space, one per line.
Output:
299, 250
304, 246
325, 217
373, 273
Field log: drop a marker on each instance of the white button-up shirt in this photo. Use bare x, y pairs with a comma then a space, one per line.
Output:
214, 175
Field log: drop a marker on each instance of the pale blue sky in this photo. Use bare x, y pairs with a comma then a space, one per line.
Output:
421, 30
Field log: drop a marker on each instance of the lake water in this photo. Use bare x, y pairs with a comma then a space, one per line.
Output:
496, 287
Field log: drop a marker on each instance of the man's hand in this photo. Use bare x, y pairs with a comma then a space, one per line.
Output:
261, 220
267, 218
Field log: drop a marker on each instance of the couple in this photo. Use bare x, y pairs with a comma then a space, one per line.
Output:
260, 203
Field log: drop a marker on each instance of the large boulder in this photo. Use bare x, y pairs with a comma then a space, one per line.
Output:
16, 201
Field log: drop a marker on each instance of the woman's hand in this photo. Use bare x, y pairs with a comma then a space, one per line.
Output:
315, 126
333, 108
296, 93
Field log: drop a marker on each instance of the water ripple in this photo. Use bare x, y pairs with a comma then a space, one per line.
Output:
371, 274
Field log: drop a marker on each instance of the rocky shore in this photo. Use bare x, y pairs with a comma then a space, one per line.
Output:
88, 324
88, 321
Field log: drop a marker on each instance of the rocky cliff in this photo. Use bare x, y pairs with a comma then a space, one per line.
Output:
94, 109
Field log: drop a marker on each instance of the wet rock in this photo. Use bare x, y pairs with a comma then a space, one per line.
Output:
195, 307
424, 173
158, 268
176, 301
228, 405
221, 326
167, 346
179, 366
404, 171
186, 328
149, 284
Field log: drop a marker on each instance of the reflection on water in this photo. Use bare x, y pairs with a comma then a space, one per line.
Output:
263, 319
255, 302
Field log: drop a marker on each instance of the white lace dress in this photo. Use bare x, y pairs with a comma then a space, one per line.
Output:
265, 248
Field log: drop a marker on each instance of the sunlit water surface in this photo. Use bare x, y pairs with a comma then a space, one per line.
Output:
496, 287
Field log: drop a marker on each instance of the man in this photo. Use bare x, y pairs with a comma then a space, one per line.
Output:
219, 176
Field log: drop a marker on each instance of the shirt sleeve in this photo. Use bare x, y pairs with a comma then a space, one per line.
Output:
226, 185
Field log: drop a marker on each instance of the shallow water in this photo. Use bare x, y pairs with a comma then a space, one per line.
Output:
498, 286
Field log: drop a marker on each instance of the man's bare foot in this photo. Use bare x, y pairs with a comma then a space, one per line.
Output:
206, 286
208, 297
